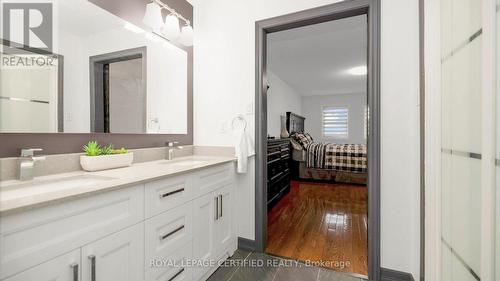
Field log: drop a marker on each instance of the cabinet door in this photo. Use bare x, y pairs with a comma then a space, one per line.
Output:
118, 257
204, 232
63, 268
223, 225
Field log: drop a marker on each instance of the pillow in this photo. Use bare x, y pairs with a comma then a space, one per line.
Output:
295, 144
302, 139
309, 137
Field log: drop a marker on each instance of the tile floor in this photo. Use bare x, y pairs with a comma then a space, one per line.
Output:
283, 272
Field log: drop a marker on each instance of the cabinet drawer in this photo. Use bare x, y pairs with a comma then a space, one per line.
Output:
167, 231
32, 237
172, 267
163, 195
208, 180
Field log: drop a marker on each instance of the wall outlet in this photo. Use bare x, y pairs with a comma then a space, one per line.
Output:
223, 127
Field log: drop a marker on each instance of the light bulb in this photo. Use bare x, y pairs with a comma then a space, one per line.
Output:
153, 17
186, 38
171, 28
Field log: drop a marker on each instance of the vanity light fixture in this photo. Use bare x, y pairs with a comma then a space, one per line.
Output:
153, 17
169, 28
186, 38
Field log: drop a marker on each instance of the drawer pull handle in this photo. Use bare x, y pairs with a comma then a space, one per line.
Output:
74, 267
92, 268
216, 198
220, 206
171, 193
177, 274
163, 237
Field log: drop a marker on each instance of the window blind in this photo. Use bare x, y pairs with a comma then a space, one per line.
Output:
335, 121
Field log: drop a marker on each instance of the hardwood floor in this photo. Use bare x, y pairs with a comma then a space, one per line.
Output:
322, 222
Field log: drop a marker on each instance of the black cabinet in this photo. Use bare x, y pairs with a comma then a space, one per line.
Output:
278, 170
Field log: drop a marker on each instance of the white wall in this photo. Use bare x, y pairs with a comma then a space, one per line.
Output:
312, 111
400, 136
281, 98
224, 85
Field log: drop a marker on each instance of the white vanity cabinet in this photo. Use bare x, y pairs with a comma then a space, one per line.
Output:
117, 257
214, 227
118, 235
63, 268
205, 223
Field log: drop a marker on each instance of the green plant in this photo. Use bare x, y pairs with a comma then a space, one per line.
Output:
120, 151
107, 150
92, 149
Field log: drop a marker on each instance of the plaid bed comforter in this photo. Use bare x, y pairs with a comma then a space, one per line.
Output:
340, 157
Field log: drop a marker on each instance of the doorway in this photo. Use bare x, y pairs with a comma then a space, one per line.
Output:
319, 15
118, 92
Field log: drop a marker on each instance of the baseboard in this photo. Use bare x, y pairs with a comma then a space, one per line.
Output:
246, 244
394, 275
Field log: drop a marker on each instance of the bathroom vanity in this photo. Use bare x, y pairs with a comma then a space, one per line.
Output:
150, 221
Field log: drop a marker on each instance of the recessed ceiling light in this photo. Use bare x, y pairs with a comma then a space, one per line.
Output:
358, 70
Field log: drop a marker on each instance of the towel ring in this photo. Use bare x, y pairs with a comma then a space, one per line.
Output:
241, 119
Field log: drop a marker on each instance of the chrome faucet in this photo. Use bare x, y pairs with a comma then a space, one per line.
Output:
27, 163
171, 146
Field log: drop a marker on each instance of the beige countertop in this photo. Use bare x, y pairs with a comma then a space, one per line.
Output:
18, 196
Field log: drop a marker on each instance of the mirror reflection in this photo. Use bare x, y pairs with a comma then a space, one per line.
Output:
104, 75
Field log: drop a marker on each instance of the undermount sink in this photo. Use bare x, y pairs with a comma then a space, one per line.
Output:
37, 187
185, 163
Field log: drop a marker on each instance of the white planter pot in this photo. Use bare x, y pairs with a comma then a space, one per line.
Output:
104, 162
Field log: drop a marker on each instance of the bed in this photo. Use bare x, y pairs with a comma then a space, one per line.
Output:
324, 161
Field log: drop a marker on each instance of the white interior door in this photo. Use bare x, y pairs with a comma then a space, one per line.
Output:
496, 42
28, 96
462, 150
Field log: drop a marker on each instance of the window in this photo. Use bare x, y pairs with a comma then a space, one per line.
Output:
335, 122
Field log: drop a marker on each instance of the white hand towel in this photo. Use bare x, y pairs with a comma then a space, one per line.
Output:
244, 149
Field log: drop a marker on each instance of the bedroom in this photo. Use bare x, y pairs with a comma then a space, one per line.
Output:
316, 148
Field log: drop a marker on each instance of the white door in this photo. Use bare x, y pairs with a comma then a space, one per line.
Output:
118, 257
204, 217
223, 229
63, 268
463, 139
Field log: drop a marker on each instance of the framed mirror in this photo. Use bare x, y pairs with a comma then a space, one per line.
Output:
104, 75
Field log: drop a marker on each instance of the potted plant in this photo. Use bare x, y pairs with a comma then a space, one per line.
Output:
98, 158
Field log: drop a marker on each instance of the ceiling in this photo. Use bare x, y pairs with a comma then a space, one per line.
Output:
314, 59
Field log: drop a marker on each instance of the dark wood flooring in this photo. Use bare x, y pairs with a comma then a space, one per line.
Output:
322, 222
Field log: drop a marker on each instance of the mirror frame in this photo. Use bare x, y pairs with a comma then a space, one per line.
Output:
59, 143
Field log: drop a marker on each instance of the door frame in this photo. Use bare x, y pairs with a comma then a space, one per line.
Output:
96, 64
313, 16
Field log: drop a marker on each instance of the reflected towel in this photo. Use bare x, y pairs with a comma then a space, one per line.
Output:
244, 149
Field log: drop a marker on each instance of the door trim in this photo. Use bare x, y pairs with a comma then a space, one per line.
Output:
303, 18
96, 84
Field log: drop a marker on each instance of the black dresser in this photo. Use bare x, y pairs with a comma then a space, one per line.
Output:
278, 170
